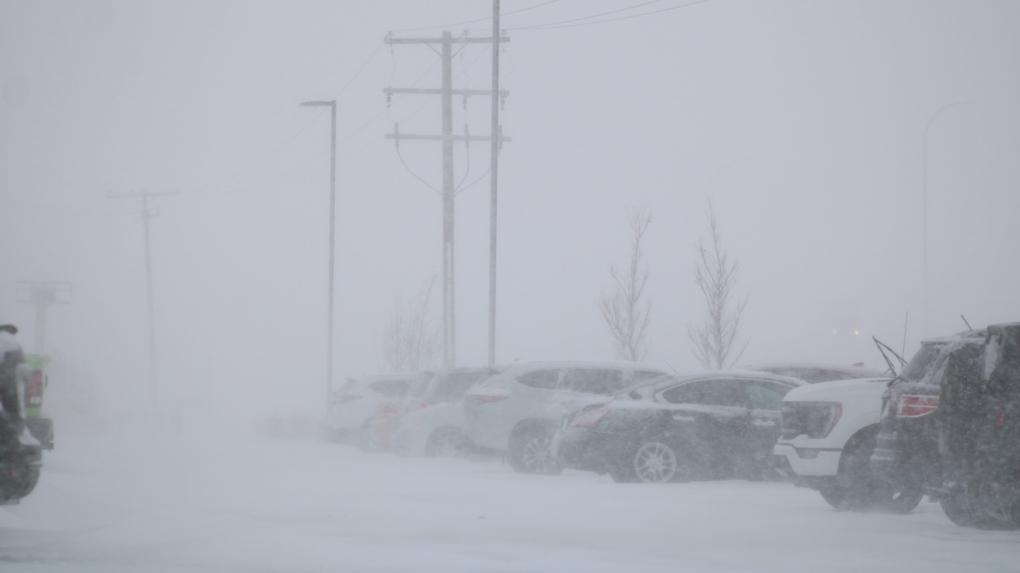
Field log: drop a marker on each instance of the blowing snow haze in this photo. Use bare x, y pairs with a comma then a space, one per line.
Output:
825, 135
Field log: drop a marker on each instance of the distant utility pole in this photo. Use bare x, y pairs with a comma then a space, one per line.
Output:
146, 215
447, 92
331, 104
493, 169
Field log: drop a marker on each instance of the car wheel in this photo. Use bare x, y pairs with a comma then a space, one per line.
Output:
978, 506
366, 441
856, 488
531, 452
447, 443
656, 462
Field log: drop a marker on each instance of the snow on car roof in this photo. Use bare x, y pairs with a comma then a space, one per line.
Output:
811, 365
655, 384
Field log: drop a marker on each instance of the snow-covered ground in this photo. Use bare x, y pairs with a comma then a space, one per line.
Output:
259, 505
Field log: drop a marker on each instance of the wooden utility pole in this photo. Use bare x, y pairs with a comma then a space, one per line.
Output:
146, 215
493, 170
447, 138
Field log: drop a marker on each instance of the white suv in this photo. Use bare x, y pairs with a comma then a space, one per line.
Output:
517, 412
828, 435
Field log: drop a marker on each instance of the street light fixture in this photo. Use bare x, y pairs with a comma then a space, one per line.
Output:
332, 224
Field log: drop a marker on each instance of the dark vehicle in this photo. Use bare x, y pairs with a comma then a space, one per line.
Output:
20, 462
979, 432
906, 454
680, 428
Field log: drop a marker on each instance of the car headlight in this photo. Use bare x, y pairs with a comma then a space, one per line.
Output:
815, 419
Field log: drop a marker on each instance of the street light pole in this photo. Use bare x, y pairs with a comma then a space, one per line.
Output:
924, 214
332, 233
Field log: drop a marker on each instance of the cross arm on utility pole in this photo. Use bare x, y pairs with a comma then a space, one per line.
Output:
142, 194
462, 40
418, 137
438, 91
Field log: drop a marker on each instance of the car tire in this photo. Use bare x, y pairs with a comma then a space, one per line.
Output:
855, 487
447, 443
969, 507
657, 462
367, 442
531, 451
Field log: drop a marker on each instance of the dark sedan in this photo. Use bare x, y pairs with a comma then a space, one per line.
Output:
680, 428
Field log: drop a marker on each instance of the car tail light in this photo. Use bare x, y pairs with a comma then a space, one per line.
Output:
485, 398
589, 418
34, 390
916, 405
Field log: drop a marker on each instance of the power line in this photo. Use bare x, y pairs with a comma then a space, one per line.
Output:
478, 19
577, 21
618, 10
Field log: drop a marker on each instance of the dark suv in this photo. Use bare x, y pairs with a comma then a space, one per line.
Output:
979, 432
906, 449
20, 459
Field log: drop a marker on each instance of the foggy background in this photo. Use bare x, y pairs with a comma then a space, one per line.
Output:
804, 123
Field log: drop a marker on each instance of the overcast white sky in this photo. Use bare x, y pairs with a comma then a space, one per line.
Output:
804, 122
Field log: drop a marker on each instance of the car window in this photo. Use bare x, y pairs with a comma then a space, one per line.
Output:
643, 376
764, 395
716, 392
922, 362
543, 379
416, 389
391, 387
594, 381
454, 385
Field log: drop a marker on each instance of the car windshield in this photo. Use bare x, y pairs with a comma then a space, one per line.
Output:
454, 385
922, 362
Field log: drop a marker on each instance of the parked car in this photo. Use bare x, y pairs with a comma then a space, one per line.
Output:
906, 448
517, 411
814, 373
433, 424
380, 427
680, 428
978, 422
828, 437
355, 404
20, 454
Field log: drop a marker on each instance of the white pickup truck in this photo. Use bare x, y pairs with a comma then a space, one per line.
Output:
828, 435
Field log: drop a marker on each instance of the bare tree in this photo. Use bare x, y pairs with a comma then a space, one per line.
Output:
413, 338
625, 309
715, 337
